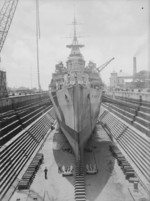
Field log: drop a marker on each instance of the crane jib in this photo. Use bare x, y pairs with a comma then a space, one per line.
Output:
6, 15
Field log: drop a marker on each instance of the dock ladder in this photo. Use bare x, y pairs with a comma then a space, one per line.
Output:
80, 193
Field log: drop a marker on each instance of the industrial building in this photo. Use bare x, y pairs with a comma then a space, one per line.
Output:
137, 81
3, 88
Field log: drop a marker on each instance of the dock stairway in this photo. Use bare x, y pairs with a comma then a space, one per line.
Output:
134, 112
17, 154
80, 192
133, 144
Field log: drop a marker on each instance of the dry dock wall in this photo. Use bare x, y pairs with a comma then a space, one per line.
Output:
134, 144
17, 153
133, 95
134, 112
14, 102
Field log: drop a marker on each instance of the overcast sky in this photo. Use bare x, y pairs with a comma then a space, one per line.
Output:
110, 28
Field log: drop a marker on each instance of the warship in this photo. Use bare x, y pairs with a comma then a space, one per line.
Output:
76, 91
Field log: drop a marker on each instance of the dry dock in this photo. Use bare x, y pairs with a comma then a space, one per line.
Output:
109, 184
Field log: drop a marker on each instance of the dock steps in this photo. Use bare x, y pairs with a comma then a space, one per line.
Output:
134, 112
80, 193
134, 144
17, 152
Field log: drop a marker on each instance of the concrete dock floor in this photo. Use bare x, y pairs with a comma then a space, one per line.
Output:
108, 184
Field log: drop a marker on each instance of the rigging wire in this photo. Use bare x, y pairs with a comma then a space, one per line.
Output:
37, 41
38, 18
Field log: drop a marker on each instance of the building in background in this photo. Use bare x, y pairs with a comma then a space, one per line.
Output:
3, 85
122, 81
119, 80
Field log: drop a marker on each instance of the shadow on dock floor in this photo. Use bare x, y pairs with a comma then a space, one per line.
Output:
108, 184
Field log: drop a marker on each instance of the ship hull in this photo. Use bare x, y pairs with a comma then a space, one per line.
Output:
77, 109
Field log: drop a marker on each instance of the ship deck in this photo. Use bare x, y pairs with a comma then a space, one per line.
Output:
108, 184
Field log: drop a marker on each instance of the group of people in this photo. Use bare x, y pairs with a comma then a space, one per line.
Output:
65, 170
91, 168
69, 150
68, 170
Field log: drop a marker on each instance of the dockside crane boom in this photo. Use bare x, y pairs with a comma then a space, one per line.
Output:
104, 65
6, 15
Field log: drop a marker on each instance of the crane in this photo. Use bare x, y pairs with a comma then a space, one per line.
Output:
100, 68
6, 15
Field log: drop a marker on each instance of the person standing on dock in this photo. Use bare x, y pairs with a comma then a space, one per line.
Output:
59, 168
52, 126
45, 172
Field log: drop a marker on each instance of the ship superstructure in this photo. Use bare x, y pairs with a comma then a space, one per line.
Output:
76, 92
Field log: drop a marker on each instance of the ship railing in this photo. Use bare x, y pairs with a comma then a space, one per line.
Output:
77, 82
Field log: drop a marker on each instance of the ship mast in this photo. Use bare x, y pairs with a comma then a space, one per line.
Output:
75, 46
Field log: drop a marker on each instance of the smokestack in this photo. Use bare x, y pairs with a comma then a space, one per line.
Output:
134, 67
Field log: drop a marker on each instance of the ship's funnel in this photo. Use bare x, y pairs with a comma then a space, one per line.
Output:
134, 67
